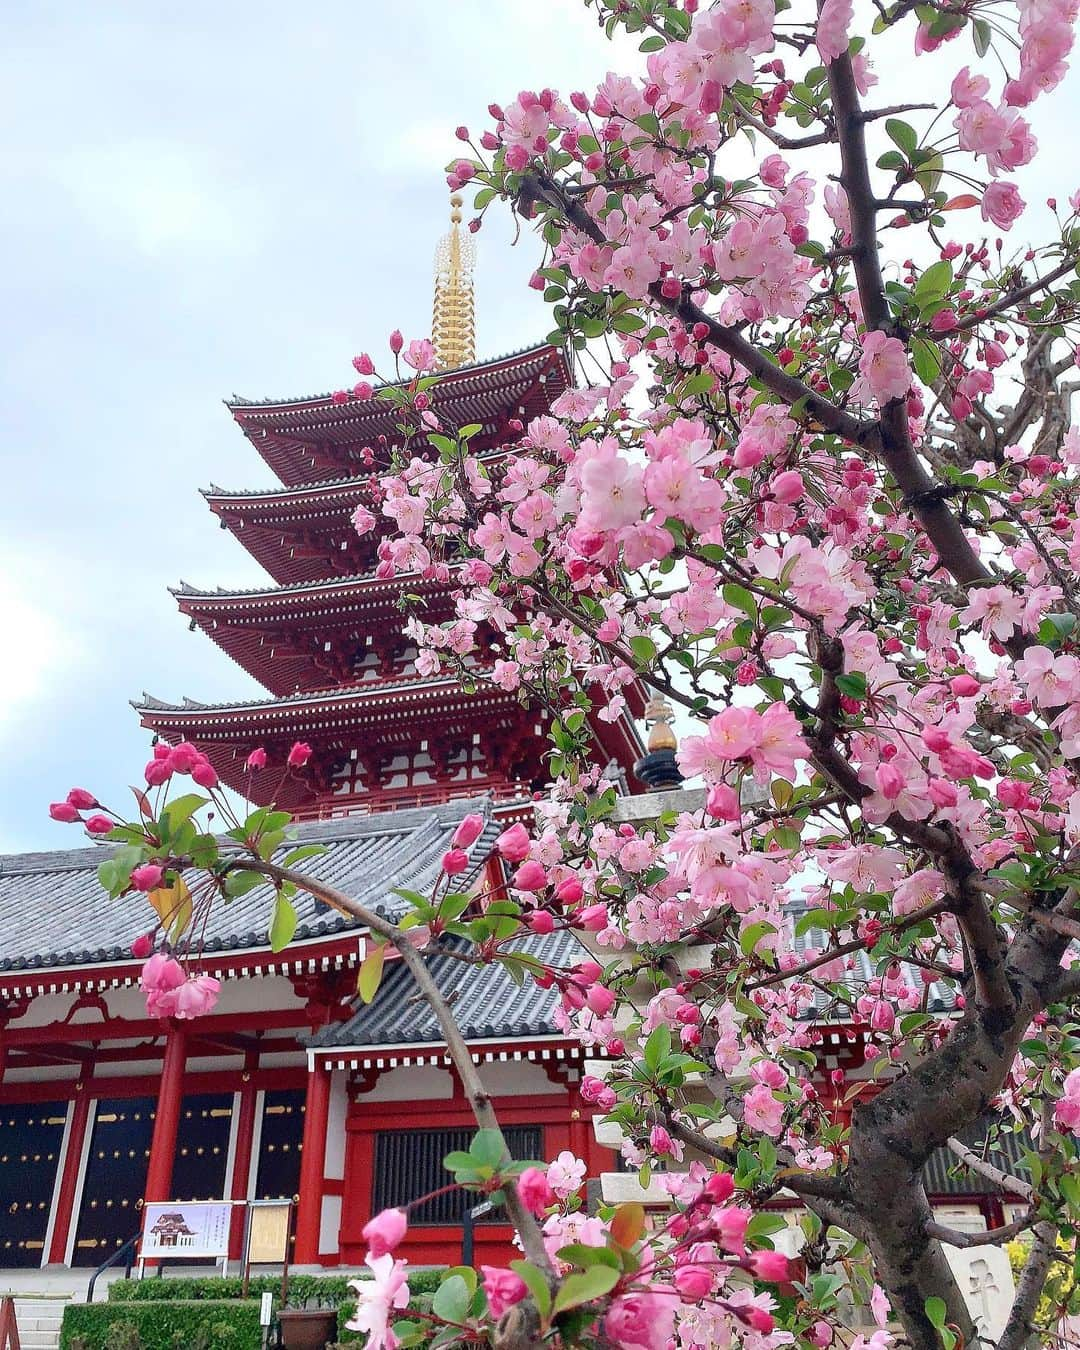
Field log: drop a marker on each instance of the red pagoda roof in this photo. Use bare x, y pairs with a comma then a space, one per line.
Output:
352, 723
302, 638
310, 440
369, 721
298, 534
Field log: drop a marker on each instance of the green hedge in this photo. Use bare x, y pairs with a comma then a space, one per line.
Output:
325, 1290
216, 1324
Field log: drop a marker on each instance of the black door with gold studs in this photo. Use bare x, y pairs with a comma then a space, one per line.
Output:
120, 1155
30, 1139
280, 1142
115, 1177
280, 1139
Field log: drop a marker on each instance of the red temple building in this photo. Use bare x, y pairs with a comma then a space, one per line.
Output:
291, 1087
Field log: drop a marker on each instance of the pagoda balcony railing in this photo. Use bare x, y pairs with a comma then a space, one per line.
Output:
397, 799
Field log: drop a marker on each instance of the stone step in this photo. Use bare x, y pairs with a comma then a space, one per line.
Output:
39, 1321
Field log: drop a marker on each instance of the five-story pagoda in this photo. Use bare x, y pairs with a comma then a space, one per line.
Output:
326, 640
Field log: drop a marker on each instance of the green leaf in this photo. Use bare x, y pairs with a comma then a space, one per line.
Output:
927, 358
852, 684
590, 1284
451, 1301
239, 883
282, 925
753, 933
644, 649
181, 809
370, 974
488, 1148
902, 135
538, 1286
934, 284
981, 33
740, 598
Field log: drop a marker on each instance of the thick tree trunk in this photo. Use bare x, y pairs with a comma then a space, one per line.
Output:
893, 1135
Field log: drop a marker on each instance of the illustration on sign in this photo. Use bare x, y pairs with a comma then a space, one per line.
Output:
195, 1228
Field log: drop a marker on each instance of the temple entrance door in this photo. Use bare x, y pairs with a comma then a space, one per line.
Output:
280, 1140
30, 1139
115, 1177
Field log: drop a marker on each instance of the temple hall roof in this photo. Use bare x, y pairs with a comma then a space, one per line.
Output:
487, 1004
53, 912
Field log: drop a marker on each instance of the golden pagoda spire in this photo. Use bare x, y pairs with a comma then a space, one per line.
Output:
453, 327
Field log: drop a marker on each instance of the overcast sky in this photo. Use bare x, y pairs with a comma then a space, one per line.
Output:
199, 200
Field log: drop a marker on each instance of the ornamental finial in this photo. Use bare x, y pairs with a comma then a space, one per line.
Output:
659, 716
453, 326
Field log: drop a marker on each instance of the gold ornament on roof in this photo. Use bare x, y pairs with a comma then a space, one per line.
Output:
659, 716
453, 325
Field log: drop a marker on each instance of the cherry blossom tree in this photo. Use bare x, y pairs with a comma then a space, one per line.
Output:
816, 486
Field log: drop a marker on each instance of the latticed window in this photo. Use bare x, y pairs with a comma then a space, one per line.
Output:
408, 1164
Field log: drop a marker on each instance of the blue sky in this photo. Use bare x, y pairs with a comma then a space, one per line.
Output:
200, 200
208, 199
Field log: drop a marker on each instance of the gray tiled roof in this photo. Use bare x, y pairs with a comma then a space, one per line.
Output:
486, 1002
942, 997
945, 1174
53, 912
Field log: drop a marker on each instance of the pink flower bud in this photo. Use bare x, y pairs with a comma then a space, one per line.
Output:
64, 812
468, 831
570, 891
455, 861
99, 825
503, 1289
788, 486
142, 946
513, 844
396, 341
158, 771
593, 918
535, 1191
693, 1282
530, 876
204, 775
299, 755
81, 799
964, 686
384, 1232
720, 1187
722, 803
942, 793
363, 364
770, 1265
600, 999
256, 760
147, 877
540, 921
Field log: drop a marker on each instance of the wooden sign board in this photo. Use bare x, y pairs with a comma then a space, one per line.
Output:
268, 1234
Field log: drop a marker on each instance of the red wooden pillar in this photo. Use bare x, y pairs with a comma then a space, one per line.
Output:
245, 1138
69, 1177
312, 1165
167, 1118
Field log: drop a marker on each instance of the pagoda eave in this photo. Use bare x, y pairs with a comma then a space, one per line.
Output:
312, 440
302, 638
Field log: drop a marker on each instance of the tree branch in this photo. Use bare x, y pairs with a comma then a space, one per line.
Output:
1007, 1182
993, 1237
524, 1223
